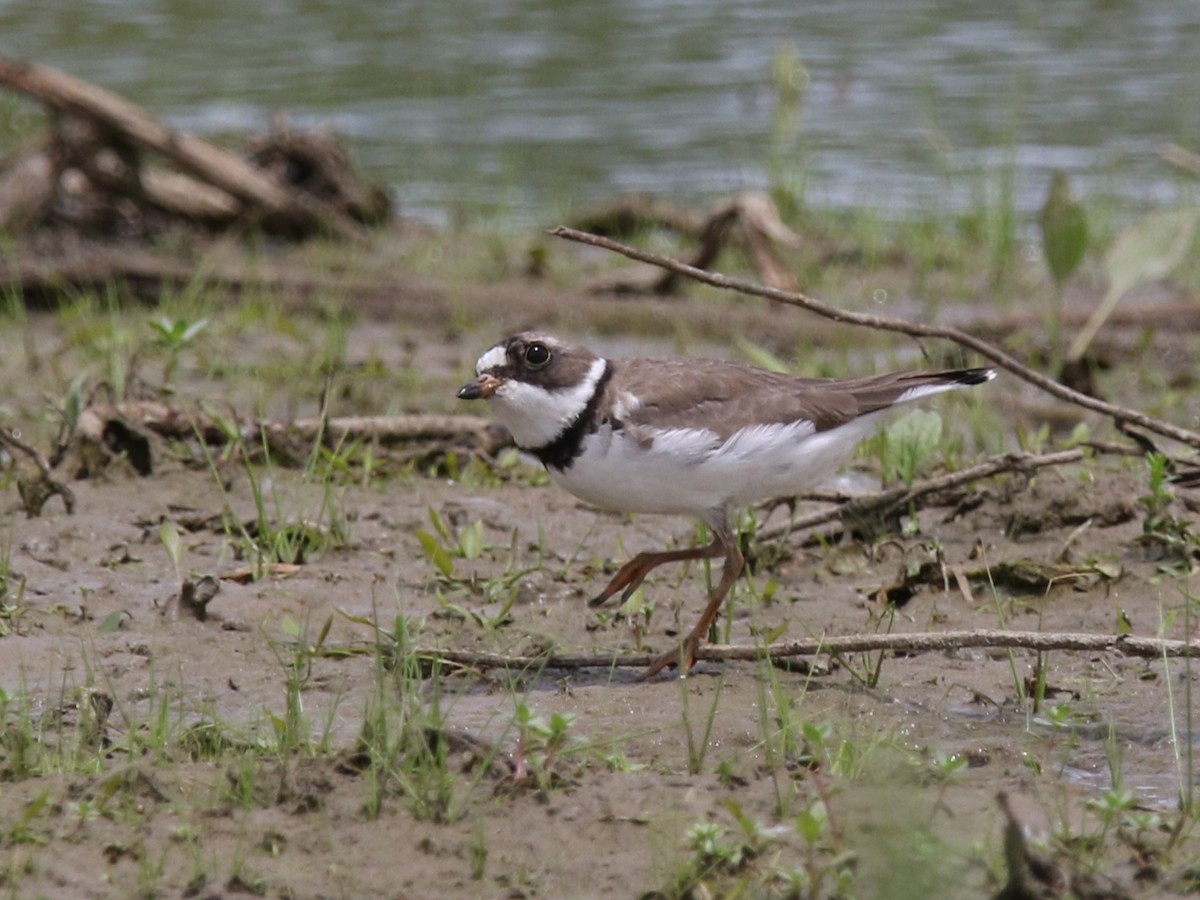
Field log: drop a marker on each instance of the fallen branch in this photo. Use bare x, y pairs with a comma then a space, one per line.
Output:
881, 323
907, 644
115, 427
884, 503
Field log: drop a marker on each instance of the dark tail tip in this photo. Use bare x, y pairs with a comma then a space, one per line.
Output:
973, 376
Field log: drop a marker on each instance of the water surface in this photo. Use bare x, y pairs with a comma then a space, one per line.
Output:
529, 108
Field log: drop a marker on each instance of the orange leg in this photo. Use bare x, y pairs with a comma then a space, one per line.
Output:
684, 656
631, 575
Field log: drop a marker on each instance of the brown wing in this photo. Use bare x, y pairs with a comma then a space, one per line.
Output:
726, 397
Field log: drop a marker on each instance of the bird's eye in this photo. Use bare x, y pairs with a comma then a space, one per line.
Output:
537, 355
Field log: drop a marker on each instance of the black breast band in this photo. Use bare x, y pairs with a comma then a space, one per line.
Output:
561, 452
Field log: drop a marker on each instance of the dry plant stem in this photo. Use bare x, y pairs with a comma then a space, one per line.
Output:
899, 497
881, 323
907, 644
52, 485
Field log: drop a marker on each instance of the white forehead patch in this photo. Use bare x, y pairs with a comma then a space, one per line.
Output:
491, 359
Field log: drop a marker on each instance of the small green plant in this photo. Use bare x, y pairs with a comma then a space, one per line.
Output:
175, 336
443, 546
711, 851
1064, 241
540, 742
1169, 536
909, 444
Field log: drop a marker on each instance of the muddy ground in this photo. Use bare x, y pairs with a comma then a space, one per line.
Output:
149, 752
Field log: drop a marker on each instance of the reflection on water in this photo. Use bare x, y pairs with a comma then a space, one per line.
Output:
527, 106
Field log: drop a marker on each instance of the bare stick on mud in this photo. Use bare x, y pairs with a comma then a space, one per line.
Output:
793, 298
908, 644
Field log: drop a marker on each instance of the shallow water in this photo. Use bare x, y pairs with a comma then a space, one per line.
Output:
531, 107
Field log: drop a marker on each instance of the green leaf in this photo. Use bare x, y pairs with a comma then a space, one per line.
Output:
439, 525
1124, 626
1148, 250
192, 330
470, 542
111, 623
816, 735
1064, 229
169, 535
811, 822
436, 553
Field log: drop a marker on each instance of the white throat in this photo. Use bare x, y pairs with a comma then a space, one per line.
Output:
535, 416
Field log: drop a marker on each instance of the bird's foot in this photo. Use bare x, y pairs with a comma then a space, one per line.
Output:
682, 657
627, 580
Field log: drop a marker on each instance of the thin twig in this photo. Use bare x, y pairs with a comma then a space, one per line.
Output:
901, 496
881, 323
907, 644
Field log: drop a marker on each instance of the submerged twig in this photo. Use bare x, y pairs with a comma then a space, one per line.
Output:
882, 323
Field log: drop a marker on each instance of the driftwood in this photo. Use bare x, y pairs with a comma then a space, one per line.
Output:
96, 161
906, 644
751, 216
639, 212
1120, 414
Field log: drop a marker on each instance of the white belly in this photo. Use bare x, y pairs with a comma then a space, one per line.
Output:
689, 472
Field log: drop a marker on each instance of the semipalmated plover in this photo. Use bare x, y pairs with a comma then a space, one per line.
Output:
694, 437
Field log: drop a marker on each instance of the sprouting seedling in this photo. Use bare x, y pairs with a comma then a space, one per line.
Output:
1159, 496
442, 546
1064, 240
707, 841
169, 535
175, 335
541, 741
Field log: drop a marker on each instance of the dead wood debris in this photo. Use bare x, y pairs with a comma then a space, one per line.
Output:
750, 217
125, 432
133, 434
109, 169
35, 477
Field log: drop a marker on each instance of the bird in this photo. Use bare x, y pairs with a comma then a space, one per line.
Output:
683, 436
